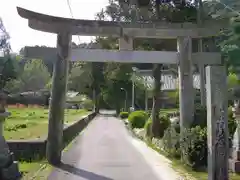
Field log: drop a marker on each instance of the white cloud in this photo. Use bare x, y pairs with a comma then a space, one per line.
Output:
21, 35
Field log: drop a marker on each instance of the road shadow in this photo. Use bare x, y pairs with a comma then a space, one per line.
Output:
82, 173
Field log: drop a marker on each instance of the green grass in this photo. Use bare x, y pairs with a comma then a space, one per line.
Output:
32, 123
35, 170
39, 170
165, 111
186, 172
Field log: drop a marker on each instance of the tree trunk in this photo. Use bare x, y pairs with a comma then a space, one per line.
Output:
96, 74
156, 100
157, 87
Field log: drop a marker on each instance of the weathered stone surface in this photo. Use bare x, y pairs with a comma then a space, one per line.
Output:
161, 30
123, 56
186, 91
57, 103
217, 121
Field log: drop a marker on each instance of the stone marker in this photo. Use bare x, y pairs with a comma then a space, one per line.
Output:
217, 123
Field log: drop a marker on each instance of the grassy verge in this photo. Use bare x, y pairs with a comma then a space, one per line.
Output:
186, 172
32, 123
35, 170
40, 170
165, 111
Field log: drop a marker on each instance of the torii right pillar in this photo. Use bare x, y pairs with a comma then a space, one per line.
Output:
186, 90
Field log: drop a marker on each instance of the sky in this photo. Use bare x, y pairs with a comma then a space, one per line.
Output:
21, 35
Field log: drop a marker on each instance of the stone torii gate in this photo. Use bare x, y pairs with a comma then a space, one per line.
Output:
126, 32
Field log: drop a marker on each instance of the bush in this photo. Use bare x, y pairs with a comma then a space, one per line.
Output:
87, 104
232, 124
200, 116
171, 143
147, 127
137, 119
193, 145
164, 123
123, 115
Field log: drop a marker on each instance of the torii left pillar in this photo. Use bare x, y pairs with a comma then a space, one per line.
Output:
57, 103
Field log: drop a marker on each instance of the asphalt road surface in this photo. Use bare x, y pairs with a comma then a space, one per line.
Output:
104, 152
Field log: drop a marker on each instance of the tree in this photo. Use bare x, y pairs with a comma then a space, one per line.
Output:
80, 79
151, 11
33, 77
8, 63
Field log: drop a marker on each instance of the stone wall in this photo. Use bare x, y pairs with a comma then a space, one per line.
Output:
28, 150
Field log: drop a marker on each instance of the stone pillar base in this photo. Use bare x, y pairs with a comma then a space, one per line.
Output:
234, 162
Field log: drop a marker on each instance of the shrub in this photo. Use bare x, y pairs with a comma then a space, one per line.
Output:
164, 123
147, 127
200, 116
171, 143
176, 126
138, 119
232, 124
193, 145
123, 115
15, 127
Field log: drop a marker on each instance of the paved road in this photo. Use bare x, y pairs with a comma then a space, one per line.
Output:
104, 152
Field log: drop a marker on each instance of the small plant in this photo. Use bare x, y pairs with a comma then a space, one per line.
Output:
232, 124
171, 142
124, 115
164, 123
193, 145
147, 127
15, 127
138, 119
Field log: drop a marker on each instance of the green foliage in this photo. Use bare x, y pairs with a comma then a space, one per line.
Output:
116, 76
9, 70
138, 119
147, 127
171, 141
163, 124
193, 145
200, 116
232, 124
190, 146
232, 80
16, 127
123, 115
33, 77
87, 104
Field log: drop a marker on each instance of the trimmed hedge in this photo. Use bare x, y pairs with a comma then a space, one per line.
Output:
137, 119
123, 115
